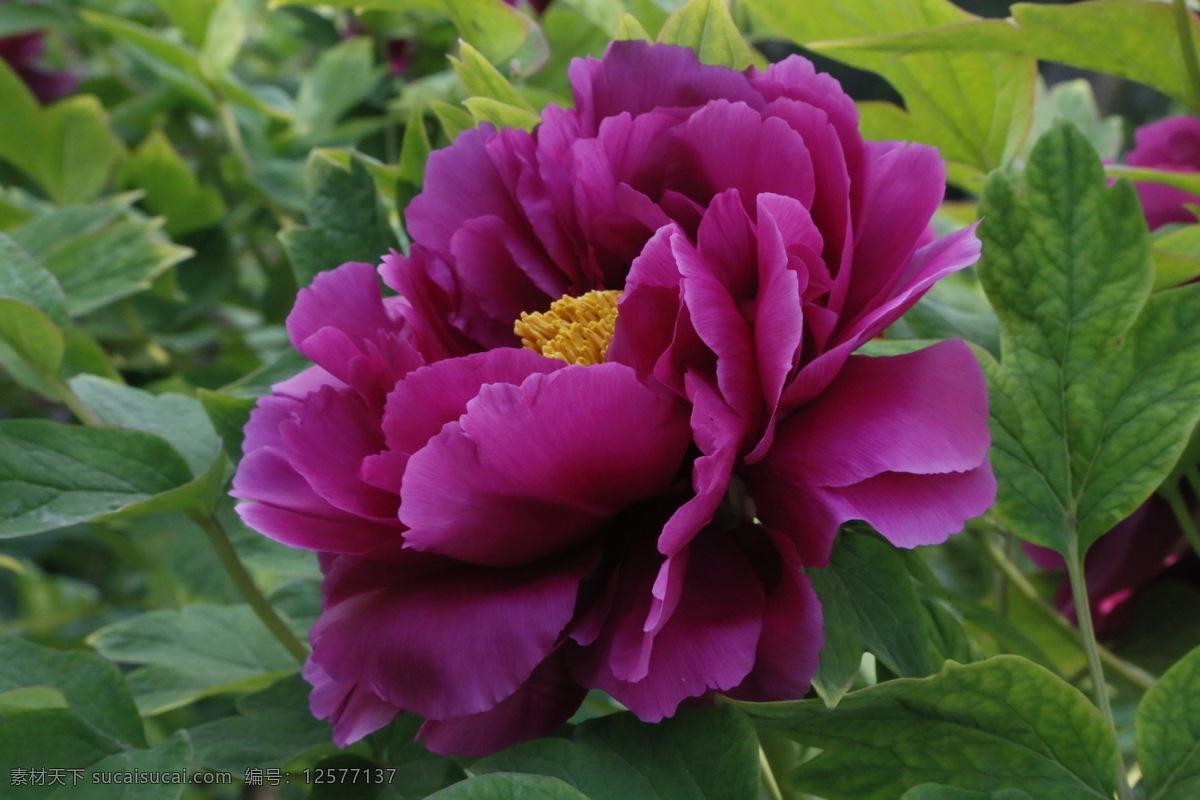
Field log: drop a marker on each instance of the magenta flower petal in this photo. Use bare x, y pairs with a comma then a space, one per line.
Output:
508, 619
1171, 144
909, 413
543, 702
353, 710
597, 438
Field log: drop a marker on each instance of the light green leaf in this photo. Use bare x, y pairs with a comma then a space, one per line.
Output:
1177, 257
190, 15
31, 698
414, 149
975, 107
698, 754
1133, 40
502, 115
274, 726
193, 652
17, 18
90, 686
170, 186
1074, 102
506, 786
454, 120
346, 220
1168, 733
628, 28
225, 33
706, 27
67, 149
23, 278
481, 79
54, 475
96, 268
1001, 722
1098, 387
1187, 181
31, 335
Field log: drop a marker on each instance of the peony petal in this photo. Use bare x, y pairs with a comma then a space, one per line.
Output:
331, 531
709, 643
637, 77
353, 710
596, 439
911, 510
543, 702
416, 632
923, 412
792, 635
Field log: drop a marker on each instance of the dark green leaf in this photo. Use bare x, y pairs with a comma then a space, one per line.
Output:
92, 687
346, 220
1001, 722
23, 278
699, 754
505, 786
932, 791
1098, 388
1168, 733
171, 187
274, 727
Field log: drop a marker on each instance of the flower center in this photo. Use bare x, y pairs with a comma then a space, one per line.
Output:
576, 330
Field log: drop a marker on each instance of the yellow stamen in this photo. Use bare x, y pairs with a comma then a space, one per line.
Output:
576, 330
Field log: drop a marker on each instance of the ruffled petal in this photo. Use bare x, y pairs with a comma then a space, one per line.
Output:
595, 439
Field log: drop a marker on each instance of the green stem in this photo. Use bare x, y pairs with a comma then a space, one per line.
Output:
1187, 522
245, 584
768, 776
1083, 611
1183, 26
1130, 672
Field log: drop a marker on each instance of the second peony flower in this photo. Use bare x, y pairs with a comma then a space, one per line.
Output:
614, 407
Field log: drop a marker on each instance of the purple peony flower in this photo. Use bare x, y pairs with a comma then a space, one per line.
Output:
1171, 144
614, 408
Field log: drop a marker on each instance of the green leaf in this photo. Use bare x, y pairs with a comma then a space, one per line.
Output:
190, 15
274, 726
1074, 102
23, 278
414, 148
67, 149
975, 107
18, 18
706, 27
505, 786
867, 580
454, 120
481, 79
340, 79
1177, 257
628, 28
229, 415
502, 115
699, 754
54, 475
169, 758
90, 686
1001, 722
1133, 40
346, 220
1098, 387
496, 29
223, 39
933, 791
32, 336
193, 652
179, 420
95, 268
1168, 733
170, 186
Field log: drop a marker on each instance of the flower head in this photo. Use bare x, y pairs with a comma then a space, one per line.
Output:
614, 408
21, 52
1171, 144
